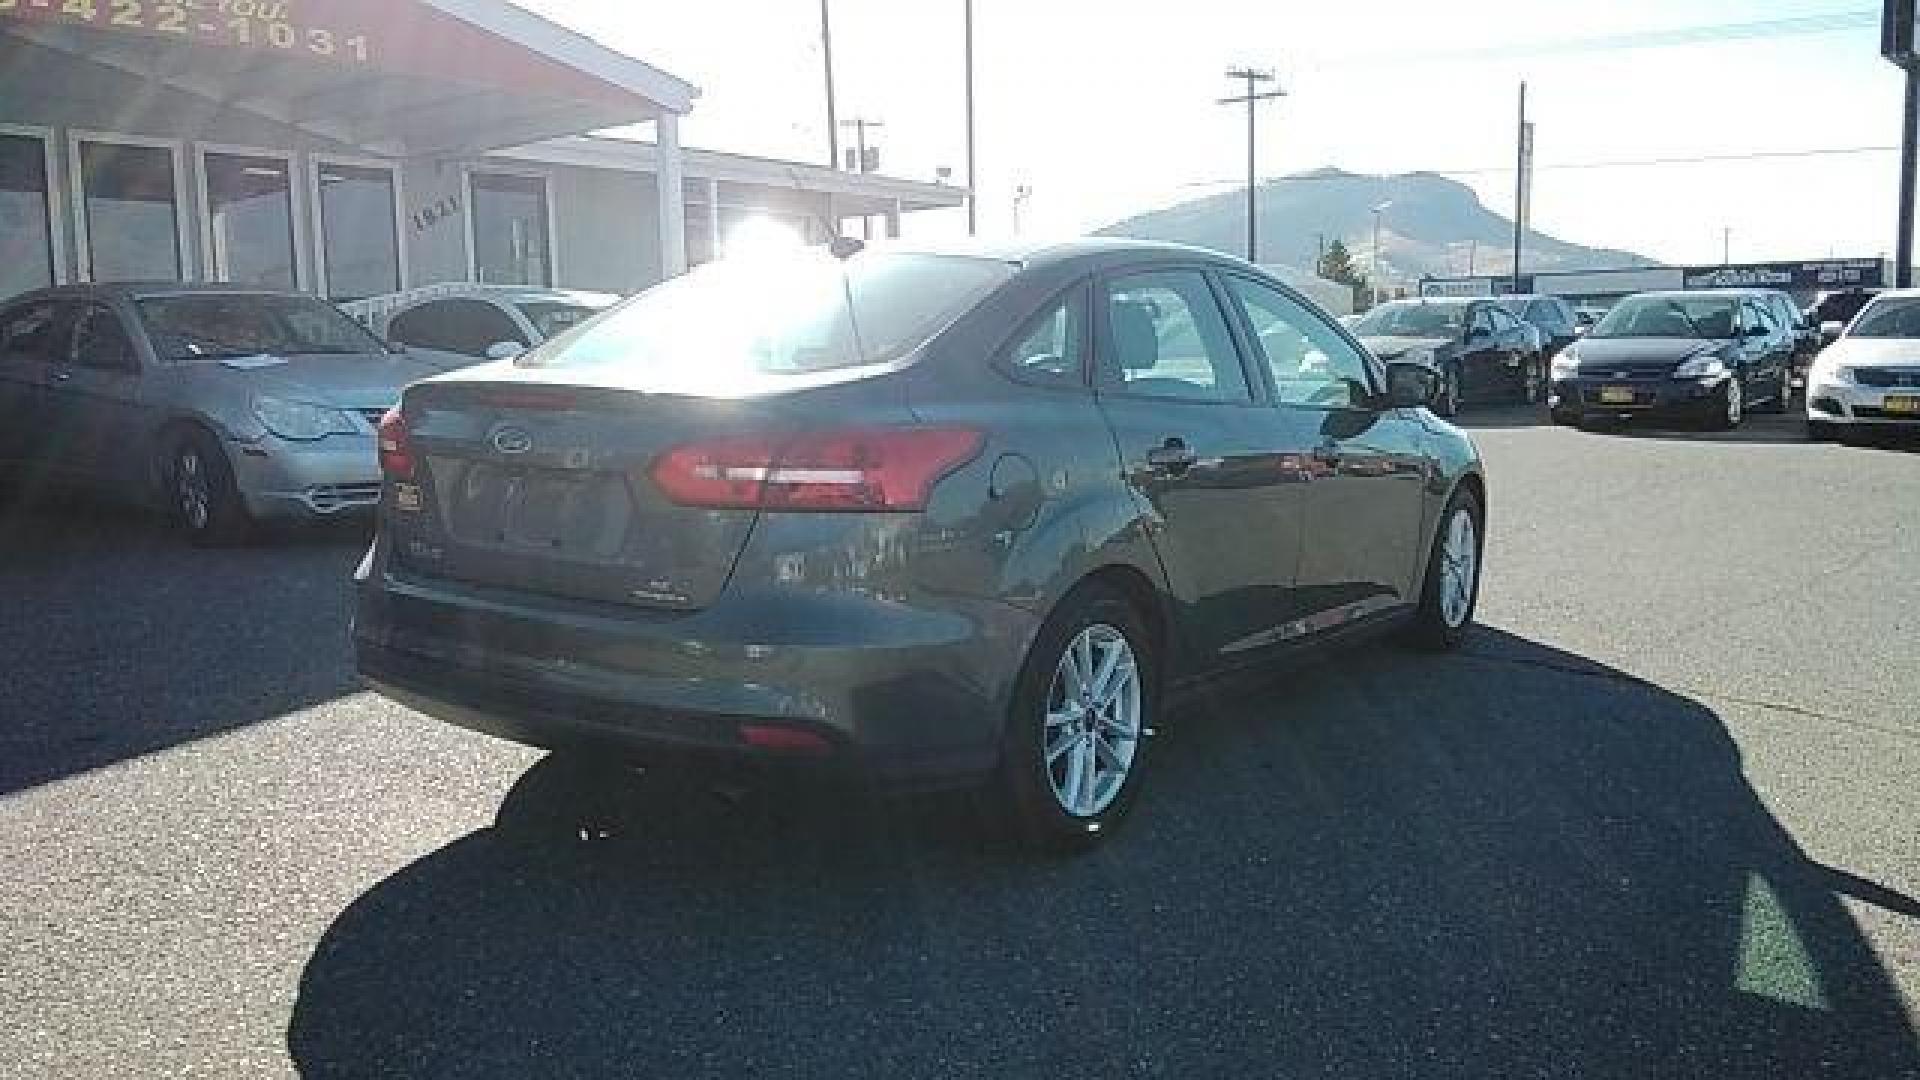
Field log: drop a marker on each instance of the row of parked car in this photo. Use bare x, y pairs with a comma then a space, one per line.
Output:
1702, 356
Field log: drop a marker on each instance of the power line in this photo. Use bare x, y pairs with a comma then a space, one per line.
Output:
1717, 34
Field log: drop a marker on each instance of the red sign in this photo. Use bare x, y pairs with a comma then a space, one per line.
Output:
396, 35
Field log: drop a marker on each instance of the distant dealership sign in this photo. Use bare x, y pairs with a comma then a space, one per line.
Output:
1797, 277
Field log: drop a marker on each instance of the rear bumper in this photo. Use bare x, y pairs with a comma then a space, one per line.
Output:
1672, 399
1854, 405
329, 477
857, 685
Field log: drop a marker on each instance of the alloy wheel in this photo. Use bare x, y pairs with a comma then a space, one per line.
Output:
1459, 568
1736, 404
1093, 726
192, 491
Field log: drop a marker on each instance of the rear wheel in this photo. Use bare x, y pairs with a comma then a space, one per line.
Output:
202, 498
1535, 385
1082, 712
1784, 398
1452, 589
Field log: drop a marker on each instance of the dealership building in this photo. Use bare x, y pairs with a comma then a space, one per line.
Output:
1804, 280
358, 147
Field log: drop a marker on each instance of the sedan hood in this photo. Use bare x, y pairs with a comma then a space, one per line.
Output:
359, 381
1603, 352
1873, 352
1393, 347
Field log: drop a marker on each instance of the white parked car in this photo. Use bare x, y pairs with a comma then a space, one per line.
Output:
485, 322
1870, 376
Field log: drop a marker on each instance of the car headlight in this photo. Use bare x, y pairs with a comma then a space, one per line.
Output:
1705, 366
300, 421
1566, 365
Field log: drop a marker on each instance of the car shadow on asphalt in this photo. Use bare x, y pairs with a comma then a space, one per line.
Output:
1509, 862
121, 640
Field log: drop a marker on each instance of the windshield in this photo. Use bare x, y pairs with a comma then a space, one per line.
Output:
798, 315
211, 326
1889, 319
553, 318
1413, 320
1669, 317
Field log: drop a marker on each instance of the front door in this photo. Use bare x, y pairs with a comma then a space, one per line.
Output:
92, 400
1200, 451
31, 335
1362, 549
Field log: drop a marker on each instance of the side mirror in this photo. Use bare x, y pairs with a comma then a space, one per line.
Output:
1830, 332
1751, 332
505, 350
1411, 386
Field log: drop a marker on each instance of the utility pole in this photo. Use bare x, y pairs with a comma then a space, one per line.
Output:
973, 165
1373, 255
1899, 29
826, 53
1726, 246
1473, 255
1252, 99
1521, 195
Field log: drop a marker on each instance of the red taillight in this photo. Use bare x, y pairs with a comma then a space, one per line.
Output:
396, 449
784, 740
857, 469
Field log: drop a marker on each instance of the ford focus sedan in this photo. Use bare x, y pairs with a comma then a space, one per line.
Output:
1699, 357
218, 405
1870, 377
930, 518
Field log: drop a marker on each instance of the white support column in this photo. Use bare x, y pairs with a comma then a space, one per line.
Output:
713, 217
893, 220
673, 210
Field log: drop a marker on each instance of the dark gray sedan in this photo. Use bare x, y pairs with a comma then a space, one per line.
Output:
936, 518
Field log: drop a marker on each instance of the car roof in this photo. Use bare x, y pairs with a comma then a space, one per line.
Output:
1047, 253
135, 290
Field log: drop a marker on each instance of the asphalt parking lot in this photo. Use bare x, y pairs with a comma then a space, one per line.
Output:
1661, 818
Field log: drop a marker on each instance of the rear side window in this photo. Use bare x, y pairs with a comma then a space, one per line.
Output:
1051, 350
1167, 338
781, 316
465, 326
36, 333
101, 342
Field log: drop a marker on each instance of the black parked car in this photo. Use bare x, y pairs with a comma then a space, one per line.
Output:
1481, 352
1806, 335
937, 518
1832, 311
1705, 356
1551, 315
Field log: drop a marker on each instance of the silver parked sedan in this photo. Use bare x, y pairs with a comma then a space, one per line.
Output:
220, 405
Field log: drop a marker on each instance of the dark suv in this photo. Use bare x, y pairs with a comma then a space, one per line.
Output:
1551, 315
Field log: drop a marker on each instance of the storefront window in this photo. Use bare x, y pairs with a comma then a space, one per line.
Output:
250, 209
133, 224
26, 238
357, 228
510, 237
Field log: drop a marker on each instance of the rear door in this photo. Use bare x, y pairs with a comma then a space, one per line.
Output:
1368, 465
32, 336
1483, 361
92, 398
1200, 448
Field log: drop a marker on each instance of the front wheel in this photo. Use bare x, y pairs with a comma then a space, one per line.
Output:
202, 498
1075, 744
1452, 589
1733, 407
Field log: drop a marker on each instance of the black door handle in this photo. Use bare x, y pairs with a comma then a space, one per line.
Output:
1172, 457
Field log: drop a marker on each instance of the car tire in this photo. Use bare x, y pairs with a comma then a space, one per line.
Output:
1534, 384
1447, 402
1565, 417
1784, 401
1450, 594
1056, 787
202, 499
1732, 407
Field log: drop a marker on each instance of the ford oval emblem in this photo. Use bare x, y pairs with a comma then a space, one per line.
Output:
512, 440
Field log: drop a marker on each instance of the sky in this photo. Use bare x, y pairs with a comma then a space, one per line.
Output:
1105, 108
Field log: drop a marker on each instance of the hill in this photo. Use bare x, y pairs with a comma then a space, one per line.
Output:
1432, 228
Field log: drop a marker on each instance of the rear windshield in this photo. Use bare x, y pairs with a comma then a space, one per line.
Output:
1889, 318
796, 315
214, 326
